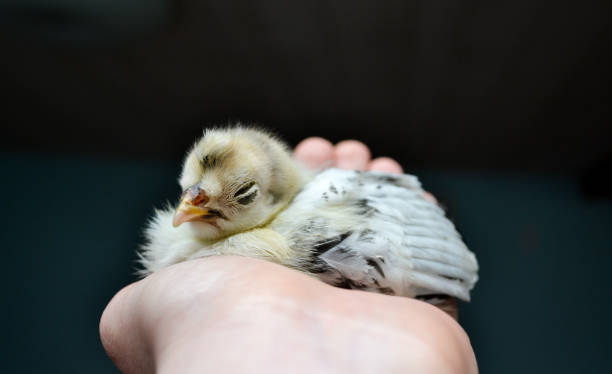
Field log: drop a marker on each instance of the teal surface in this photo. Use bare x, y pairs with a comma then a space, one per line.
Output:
71, 226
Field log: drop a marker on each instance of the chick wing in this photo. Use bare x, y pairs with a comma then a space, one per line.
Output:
376, 232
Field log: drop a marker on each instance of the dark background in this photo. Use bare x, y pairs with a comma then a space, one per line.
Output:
500, 107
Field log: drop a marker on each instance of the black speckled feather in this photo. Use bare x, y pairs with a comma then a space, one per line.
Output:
375, 232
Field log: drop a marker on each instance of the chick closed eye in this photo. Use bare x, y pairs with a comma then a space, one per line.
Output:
245, 187
246, 194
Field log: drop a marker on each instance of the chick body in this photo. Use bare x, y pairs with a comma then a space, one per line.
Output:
363, 230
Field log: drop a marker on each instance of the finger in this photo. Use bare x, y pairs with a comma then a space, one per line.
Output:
385, 164
315, 152
430, 197
391, 166
351, 154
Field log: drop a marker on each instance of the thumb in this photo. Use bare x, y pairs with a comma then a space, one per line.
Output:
122, 333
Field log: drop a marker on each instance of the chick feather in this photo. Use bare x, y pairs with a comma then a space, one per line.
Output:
371, 231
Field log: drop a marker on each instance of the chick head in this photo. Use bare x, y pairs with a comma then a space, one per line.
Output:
235, 179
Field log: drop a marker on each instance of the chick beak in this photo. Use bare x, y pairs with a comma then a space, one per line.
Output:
190, 207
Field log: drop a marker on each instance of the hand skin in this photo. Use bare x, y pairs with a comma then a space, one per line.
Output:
235, 315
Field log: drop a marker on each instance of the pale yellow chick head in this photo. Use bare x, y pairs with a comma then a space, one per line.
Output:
235, 179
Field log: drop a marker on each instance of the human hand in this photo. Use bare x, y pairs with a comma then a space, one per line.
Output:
318, 153
239, 314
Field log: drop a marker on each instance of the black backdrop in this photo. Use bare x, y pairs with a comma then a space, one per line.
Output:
501, 107
503, 84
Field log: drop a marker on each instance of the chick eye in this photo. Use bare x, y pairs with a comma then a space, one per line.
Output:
244, 189
246, 200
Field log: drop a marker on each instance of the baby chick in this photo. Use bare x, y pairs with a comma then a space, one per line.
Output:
243, 194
